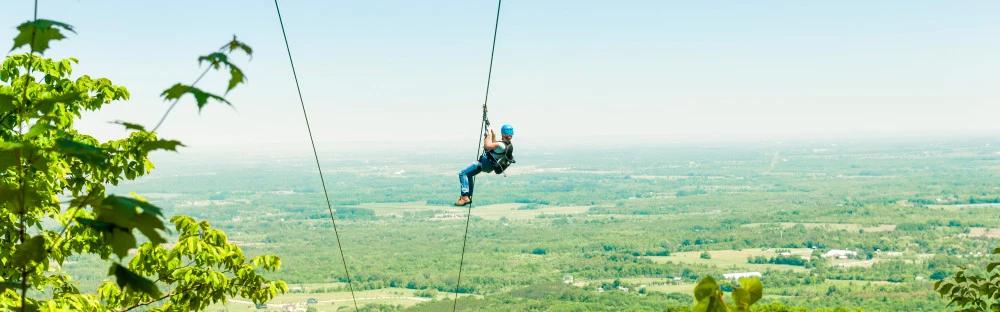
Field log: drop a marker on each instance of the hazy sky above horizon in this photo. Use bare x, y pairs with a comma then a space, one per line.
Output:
413, 71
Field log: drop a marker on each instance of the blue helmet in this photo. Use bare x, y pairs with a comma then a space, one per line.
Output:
507, 129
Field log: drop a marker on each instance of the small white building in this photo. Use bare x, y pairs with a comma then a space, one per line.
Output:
568, 279
840, 254
737, 276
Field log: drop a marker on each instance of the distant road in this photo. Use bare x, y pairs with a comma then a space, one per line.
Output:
421, 299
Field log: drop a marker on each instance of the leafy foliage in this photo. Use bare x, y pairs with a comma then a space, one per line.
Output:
127, 279
708, 295
969, 291
235, 44
38, 33
203, 267
216, 60
52, 174
201, 97
219, 59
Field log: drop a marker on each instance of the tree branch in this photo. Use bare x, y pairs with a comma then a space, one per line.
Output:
166, 296
60, 237
142, 304
172, 105
20, 164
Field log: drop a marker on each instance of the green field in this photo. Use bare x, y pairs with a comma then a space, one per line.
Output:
331, 301
851, 227
735, 260
609, 221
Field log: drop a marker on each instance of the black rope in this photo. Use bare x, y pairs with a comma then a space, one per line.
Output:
482, 129
312, 142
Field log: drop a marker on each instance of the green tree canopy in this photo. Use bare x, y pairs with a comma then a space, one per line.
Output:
54, 201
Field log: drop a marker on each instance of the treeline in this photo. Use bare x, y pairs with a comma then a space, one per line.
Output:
786, 260
352, 213
971, 200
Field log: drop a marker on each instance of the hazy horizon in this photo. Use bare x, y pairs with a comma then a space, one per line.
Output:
459, 154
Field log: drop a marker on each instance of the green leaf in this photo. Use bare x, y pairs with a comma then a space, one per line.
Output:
94, 224
742, 298
30, 251
236, 77
753, 287
708, 297
130, 213
706, 288
116, 218
991, 266
126, 279
701, 306
38, 33
9, 146
8, 158
234, 45
87, 153
48, 104
268, 262
718, 305
215, 59
121, 240
169, 145
132, 204
176, 91
129, 125
946, 289
9, 285
6, 103
712, 304
37, 129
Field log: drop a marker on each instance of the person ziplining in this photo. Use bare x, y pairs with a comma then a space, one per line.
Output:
491, 151
497, 156
492, 156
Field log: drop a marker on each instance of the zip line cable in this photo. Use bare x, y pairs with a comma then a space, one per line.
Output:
312, 142
482, 129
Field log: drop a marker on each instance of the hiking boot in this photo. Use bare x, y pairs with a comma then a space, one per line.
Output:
462, 201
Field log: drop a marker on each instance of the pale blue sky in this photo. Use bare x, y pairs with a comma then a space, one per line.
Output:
404, 71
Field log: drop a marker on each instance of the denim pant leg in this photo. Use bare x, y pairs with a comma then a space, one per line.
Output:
466, 180
485, 164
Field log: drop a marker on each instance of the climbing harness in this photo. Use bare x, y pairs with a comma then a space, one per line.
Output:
503, 161
479, 150
312, 142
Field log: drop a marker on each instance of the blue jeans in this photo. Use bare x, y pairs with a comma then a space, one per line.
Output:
467, 177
